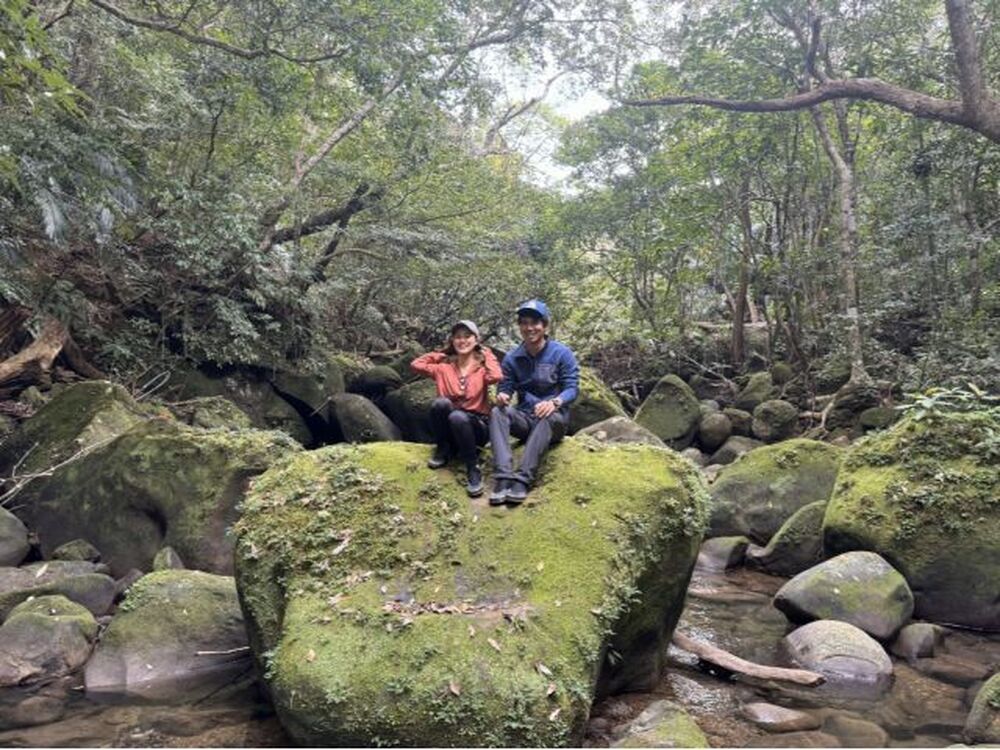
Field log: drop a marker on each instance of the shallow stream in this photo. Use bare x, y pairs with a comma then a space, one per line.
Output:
926, 706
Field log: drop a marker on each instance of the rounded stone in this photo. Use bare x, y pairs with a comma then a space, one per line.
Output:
671, 412
620, 431
983, 723
714, 429
14, 546
844, 654
775, 420
778, 719
856, 587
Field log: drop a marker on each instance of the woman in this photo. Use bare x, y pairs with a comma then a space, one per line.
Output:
460, 413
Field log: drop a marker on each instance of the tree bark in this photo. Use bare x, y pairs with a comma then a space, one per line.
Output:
733, 663
35, 360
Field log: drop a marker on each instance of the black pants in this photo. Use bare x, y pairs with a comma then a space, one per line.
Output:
538, 435
457, 431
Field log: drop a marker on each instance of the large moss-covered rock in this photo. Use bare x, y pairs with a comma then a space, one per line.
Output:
758, 389
152, 646
621, 430
81, 416
983, 723
159, 483
775, 420
924, 495
663, 724
252, 393
211, 412
595, 402
464, 624
856, 587
796, 546
358, 420
14, 545
375, 382
409, 408
758, 493
45, 637
671, 412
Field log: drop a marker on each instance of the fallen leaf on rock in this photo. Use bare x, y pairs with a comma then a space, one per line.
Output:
551, 690
472, 632
555, 714
454, 688
345, 539
310, 656
540, 567
493, 643
542, 669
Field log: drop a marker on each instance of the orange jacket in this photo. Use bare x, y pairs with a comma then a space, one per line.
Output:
473, 396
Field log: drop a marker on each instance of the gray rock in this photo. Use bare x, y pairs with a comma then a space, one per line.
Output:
34, 710
695, 456
620, 430
953, 669
168, 559
722, 553
779, 719
14, 546
878, 417
82, 582
854, 732
850, 402
44, 638
714, 429
741, 420
663, 724
732, 449
123, 584
77, 549
796, 546
360, 421
983, 723
796, 739
847, 656
775, 420
711, 472
409, 408
709, 406
856, 587
376, 382
671, 412
152, 646
916, 640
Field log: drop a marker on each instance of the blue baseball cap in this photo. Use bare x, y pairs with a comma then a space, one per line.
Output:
534, 307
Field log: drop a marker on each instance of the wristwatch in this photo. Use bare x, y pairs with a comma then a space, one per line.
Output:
558, 402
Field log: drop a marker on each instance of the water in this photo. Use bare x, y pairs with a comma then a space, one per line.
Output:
733, 611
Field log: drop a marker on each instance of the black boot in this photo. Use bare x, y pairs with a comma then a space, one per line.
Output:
439, 458
474, 480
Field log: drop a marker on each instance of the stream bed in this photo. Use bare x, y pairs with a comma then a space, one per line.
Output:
926, 706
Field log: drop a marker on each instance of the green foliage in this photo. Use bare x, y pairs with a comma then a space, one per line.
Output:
935, 401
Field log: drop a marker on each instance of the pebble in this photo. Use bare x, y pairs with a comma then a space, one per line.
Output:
953, 669
778, 718
856, 732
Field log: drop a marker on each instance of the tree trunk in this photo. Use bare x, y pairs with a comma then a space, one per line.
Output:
738, 343
30, 364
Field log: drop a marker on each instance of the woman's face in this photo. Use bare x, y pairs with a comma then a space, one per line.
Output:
464, 340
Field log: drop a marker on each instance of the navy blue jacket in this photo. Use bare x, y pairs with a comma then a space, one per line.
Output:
553, 372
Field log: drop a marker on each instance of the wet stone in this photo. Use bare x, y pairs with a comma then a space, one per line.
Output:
853, 732
916, 640
953, 669
32, 711
850, 659
77, 549
779, 719
722, 553
796, 739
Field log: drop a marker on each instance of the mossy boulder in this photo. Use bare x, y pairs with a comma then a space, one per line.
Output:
983, 723
924, 494
732, 449
850, 402
356, 419
781, 373
375, 382
159, 483
81, 416
211, 412
663, 724
620, 431
775, 420
14, 546
78, 550
714, 430
856, 587
758, 389
409, 408
595, 402
877, 417
151, 648
757, 494
671, 412
465, 624
796, 546
43, 638
742, 421
85, 583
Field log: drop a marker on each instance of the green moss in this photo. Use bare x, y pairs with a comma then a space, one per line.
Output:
362, 551
671, 412
675, 730
926, 495
55, 607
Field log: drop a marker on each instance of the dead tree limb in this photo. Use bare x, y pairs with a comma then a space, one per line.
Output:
734, 663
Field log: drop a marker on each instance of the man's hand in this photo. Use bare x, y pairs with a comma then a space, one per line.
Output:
544, 409
503, 399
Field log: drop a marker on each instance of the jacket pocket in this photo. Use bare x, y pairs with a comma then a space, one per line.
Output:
546, 374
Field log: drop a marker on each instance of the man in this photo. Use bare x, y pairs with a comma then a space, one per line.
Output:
545, 376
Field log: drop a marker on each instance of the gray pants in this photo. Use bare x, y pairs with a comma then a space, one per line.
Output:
537, 433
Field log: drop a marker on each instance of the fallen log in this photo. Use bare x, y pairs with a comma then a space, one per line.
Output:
33, 364
733, 663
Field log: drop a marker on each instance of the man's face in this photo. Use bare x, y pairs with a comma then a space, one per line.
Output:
532, 329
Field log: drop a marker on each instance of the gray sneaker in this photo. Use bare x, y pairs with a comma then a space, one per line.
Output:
517, 493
